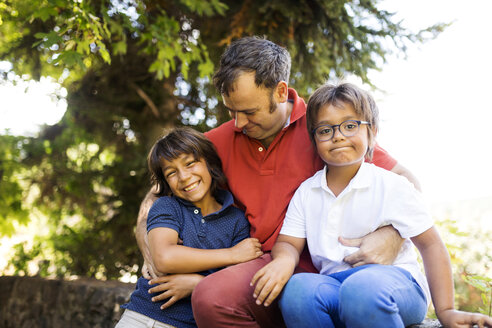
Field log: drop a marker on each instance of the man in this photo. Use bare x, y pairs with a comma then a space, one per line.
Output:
266, 153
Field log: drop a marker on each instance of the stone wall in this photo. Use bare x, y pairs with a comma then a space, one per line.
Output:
31, 302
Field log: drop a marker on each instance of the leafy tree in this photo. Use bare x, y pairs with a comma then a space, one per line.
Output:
10, 184
135, 67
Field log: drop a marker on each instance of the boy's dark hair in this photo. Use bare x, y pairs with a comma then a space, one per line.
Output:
362, 102
269, 61
184, 141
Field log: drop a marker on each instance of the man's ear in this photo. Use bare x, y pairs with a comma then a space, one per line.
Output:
281, 92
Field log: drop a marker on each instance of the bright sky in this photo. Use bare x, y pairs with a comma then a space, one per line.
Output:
435, 111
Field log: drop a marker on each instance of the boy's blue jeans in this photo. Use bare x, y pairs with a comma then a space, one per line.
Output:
367, 296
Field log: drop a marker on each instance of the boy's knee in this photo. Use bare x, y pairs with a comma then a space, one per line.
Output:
301, 282
299, 291
363, 297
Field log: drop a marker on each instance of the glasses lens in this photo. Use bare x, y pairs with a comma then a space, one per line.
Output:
324, 132
349, 128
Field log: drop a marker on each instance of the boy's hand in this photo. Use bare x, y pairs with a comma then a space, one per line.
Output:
174, 287
459, 319
246, 250
271, 279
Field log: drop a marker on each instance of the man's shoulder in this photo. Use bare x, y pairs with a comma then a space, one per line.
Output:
223, 130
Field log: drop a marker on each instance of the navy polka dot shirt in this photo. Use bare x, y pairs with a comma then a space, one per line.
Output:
222, 229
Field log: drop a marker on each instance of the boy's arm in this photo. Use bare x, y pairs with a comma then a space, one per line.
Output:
148, 268
383, 245
169, 257
271, 279
439, 276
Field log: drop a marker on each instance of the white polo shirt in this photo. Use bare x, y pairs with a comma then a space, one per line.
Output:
374, 198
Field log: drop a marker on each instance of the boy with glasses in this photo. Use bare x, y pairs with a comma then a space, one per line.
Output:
350, 198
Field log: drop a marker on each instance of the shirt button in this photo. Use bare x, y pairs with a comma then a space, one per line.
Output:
196, 211
203, 220
260, 148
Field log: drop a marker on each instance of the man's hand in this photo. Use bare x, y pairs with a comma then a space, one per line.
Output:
174, 287
148, 268
459, 319
271, 279
148, 271
380, 247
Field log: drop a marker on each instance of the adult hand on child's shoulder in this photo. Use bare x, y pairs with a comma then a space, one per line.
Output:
460, 319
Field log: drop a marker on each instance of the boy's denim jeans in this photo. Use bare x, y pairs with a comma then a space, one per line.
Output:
368, 296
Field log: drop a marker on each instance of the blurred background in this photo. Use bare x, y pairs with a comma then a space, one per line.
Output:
86, 87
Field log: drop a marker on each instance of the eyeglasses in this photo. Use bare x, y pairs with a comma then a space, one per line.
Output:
347, 128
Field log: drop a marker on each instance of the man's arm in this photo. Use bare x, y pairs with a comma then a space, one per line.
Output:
148, 268
381, 246
404, 172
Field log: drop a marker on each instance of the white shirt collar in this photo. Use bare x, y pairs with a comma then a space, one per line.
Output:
362, 179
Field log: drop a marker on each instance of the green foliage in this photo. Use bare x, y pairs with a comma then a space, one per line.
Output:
23, 256
470, 252
484, 285
12, 208
134, 68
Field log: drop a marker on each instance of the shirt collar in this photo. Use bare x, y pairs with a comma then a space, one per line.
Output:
224, 197
299, 106
361, 180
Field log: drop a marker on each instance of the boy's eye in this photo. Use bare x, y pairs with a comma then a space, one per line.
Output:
324, 131
170, 174
190, 163
350, 126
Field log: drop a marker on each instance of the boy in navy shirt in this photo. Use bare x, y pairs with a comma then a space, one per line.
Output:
193, 228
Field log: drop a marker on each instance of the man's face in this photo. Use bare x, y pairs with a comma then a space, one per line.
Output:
254, 109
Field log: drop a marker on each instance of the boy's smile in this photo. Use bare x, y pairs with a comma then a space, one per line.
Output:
189, 179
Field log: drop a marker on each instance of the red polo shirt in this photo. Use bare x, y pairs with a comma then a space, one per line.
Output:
264, 180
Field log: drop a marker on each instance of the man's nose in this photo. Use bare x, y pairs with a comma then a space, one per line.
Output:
240, 120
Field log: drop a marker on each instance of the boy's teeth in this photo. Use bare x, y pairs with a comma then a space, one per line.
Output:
191, 187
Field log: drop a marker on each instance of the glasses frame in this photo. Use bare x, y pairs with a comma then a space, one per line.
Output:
359, 123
